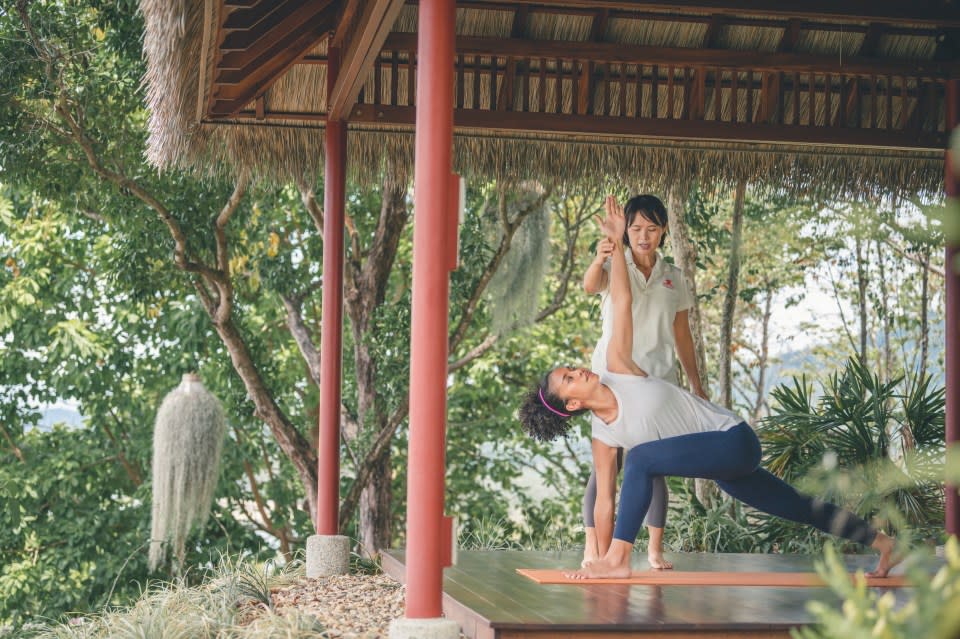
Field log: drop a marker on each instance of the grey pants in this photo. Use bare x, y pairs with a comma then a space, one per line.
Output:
656, 514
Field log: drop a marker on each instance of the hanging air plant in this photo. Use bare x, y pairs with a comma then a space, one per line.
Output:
515, 288
187, 440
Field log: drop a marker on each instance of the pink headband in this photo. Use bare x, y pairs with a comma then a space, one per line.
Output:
549, 407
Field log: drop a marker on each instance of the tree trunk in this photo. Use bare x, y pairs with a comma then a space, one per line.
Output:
294, 445
887, 352
730, 299
685, 257
366, 283
862, 299
763, 358
924, 304
375, 508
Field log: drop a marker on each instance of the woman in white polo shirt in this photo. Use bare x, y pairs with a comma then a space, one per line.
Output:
661, 301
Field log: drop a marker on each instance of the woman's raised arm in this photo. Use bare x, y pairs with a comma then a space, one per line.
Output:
620, 348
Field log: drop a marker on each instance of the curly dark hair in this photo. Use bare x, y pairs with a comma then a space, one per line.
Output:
538, 420
650, 208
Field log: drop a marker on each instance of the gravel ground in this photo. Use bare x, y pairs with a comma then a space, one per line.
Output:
349, 606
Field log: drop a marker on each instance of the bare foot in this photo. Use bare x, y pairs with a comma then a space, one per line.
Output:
588, 557
657, 562
888, 555
601, 569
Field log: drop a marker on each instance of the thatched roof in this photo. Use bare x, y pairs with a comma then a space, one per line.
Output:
181, 46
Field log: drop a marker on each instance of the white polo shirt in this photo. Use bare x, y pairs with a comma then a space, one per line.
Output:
649, 409
656, 302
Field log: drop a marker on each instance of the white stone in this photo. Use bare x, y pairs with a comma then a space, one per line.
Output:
424, 629
327, 555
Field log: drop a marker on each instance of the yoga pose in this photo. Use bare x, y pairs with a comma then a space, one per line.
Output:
661, 329
665, 431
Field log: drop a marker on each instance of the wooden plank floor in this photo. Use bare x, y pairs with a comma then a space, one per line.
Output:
491, 601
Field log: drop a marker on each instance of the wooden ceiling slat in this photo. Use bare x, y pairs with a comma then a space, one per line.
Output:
250, 17
265, 70
634, 54
311, 32
278, 25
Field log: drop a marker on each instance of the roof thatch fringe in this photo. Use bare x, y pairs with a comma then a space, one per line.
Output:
656, 164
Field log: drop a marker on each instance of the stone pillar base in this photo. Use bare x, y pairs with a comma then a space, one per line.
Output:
424, 629
327, 555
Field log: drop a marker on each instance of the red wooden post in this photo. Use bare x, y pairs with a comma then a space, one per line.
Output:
331, 344
952, 274
428, 346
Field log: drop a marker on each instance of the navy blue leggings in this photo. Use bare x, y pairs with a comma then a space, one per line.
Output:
731, 458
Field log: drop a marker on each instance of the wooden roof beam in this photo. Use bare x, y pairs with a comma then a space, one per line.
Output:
871, 40
685, 57
711, 35
517, 30
657, 128
790, 37
344, 21
362, 50
938, 12
769, 22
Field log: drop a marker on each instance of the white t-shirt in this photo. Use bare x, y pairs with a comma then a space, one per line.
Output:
649, 409
656, 303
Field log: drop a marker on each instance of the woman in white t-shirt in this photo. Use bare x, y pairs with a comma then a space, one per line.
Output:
661, 302
666, 432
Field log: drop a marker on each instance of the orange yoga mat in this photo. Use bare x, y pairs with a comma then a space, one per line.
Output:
693, 578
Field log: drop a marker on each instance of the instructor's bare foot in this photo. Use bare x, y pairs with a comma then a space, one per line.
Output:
601, 569
588, 558
657, 562
889, 557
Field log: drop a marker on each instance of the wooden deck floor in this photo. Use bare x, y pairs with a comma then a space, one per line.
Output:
490, 600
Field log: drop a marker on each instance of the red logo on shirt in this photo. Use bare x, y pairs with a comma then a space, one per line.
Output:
668, 283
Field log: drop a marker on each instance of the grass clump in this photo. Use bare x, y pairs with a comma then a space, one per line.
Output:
234, 601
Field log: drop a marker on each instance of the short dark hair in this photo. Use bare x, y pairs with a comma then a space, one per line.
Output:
649, 207
536, 416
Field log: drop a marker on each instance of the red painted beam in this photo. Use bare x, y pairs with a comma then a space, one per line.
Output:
952, 272
331, 340
428, 339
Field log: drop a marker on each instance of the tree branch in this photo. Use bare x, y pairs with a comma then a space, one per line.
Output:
902, 252
132, 472
301, 335
13, 445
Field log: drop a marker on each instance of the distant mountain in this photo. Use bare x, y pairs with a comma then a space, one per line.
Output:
59, 414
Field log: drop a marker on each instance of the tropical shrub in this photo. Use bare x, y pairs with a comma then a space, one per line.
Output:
932, 612
873, 446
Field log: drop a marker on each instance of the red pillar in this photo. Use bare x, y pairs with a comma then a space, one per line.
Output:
952, 274
331, 339
428, 334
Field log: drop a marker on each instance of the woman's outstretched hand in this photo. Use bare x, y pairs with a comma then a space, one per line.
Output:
614, 224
